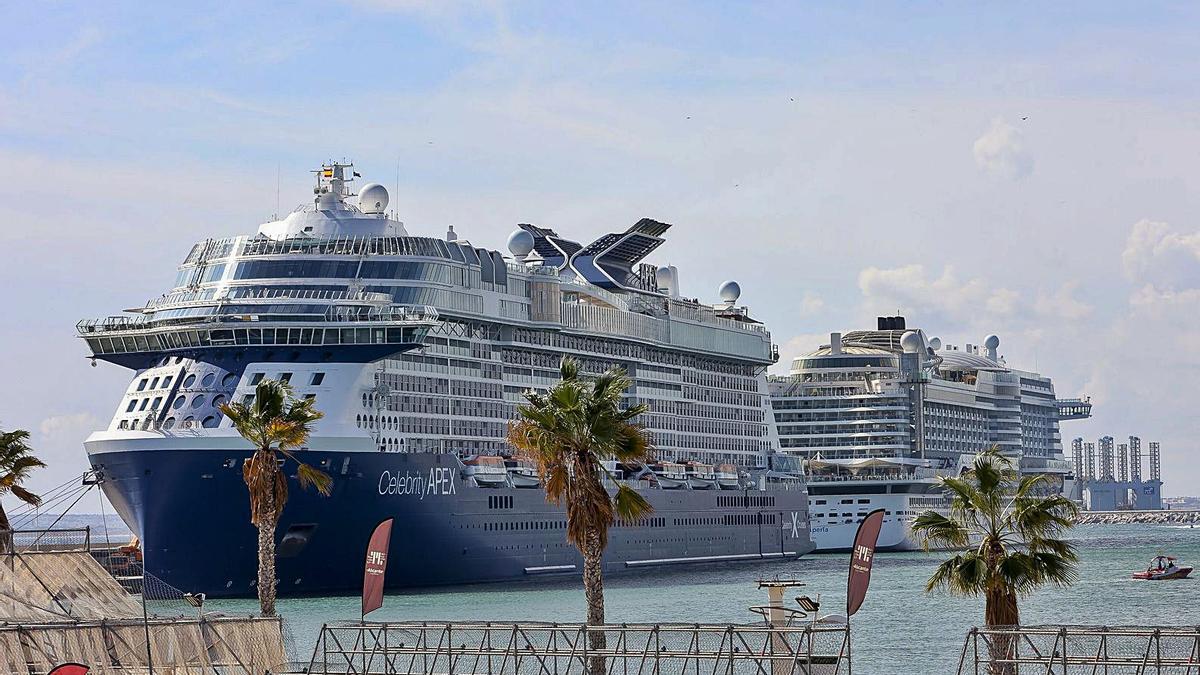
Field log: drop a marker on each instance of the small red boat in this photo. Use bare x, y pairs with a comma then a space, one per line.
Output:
1163, 567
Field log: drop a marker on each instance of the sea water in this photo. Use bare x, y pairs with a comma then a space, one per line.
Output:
901, 629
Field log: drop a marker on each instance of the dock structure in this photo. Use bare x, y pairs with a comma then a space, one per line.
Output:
1115, 482
416, 648
62, 606
1072, 650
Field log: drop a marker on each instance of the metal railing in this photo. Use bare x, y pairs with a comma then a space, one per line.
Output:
1070, 650
58, 539
566, 649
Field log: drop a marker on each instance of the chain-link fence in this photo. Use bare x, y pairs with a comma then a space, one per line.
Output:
568, 649
1071, 650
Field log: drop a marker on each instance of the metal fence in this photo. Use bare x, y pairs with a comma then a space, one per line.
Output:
59, 539
1070, 650
567, 649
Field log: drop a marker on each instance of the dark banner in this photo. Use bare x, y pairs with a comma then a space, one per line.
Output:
861, 557
375, 567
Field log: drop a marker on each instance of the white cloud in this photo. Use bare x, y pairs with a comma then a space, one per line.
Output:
1062, 303
811, 303
1157, 254
945, 300
1001, 151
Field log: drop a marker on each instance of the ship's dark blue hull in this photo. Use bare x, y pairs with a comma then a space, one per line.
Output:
191, 511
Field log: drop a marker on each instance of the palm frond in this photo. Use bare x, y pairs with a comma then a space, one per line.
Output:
309, 475
25, 495
937, 530
631, 507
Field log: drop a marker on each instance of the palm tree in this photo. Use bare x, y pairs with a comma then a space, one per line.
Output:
16, 463
570, 432
276, 424
1008, 532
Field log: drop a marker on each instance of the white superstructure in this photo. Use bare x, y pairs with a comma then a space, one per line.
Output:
878, 416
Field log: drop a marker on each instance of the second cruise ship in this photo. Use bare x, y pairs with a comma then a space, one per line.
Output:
878, 415
418, 350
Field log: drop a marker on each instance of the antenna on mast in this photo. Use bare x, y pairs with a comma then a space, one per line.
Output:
396, 212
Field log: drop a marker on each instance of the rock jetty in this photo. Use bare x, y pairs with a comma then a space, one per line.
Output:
1139, 518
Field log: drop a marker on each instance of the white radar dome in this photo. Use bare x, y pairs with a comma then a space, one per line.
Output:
991, 342
910, 342
936, 343
730, 291
520, 243
373, 199
663, 275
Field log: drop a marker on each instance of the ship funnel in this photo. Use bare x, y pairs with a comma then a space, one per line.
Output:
835, 344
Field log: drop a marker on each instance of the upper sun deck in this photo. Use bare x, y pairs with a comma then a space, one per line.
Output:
333, 253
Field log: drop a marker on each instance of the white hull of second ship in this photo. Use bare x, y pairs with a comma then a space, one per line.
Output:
835, 523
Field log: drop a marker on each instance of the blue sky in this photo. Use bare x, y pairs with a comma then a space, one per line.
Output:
1027, 169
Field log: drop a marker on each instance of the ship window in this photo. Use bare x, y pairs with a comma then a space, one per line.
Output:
189, 380
256, 378
132, 405
218, 401
179, 402
169, 422
210, 422
208, 380
154, 383
144, 402
157, 402
167, 381
198, 401
316, 379
142, 385
227, 381
248, 399
309, 397
285, 377
864, 501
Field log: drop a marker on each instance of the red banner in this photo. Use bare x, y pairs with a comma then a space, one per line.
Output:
861, 557
375, 567
70, 669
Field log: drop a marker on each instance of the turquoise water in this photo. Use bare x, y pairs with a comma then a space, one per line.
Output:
900, 629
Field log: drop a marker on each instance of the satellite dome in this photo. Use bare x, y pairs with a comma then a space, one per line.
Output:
910, 342
663, 275
372, 199
730, 291
991, 342
520, 243
936, 343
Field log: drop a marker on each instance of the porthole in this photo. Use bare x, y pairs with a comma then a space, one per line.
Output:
189, 381
209, 422
168, 423
179, 402
208, 380
229, 380
218, 401
198, 401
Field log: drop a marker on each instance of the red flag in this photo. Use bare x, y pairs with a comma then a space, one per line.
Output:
70, 669
375, 567
861, 557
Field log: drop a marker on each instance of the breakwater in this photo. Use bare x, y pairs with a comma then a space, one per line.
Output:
1139, 517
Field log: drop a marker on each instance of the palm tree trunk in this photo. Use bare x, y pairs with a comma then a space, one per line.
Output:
266, 558
1001, 611
593, 591
5, 527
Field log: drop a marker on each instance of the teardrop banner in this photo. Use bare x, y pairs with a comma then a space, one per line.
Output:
375, 567
861, 558
70, 669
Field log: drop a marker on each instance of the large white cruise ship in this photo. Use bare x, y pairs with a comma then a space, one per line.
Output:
879, 415
418, 350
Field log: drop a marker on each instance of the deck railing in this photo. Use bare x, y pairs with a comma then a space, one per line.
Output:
1071, 650
566, 649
